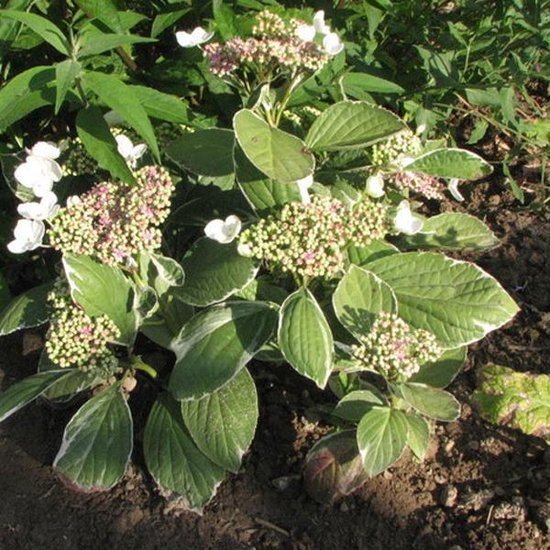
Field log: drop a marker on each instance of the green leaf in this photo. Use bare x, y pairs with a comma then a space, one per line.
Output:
27, 310
161, 105
451, 163
121, 98
361, 256
352, 125
94, 43
178, 467
356, 84
100, 143
359, 297
480, 129
442, 372
418, 438
205, 152
97, 441
456, 301
356, 404
163, 327
224, 17
160, 272
520, 400
102, 290
23, 392
41, 26
65, 74
223, 423
334, 468
164, 20
74, 381
105, 10
262, 193
24, 93
280, 156
305, 337
432, 402
452, 231
381, 438
214, 272
216, 344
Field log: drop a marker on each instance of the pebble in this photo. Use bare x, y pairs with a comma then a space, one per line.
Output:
284, 482
448, 496
449, 446
513, 510
473, 445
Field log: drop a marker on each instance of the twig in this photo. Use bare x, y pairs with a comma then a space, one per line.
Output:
270, 525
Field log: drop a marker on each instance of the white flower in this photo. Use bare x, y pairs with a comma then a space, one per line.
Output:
38, 173
244, 250
405, 222
45, 149
72, 200
453, 188
303, 185
194, 38
223, 231
306, 33
42, 210
332, 44
129, 151
28, 236
319, 23
375, 186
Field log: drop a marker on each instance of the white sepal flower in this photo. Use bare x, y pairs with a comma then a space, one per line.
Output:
43, 210
375, 186
223, 231
39, 174
306, 33
28, 236
319, 23
332, 44
72, 200
194, 38
405, 222
453, 188
244, 250
303, 185
45, 149
129, 151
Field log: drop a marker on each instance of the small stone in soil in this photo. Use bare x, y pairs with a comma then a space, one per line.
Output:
448, 496
284, 482
514, 510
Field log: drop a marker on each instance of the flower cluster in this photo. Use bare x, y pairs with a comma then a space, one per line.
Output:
270, 24
77, 340
38, 173
429, 186
264, 56
309, 239
397, 151
115, 221
395, 350
277, 47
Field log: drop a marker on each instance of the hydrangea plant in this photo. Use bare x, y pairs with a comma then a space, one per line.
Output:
323, 263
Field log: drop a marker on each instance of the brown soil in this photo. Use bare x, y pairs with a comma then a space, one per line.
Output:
480, 487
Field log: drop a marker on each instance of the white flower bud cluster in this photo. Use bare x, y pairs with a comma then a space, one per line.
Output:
394, 349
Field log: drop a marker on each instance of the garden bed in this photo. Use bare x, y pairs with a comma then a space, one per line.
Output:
479, 487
